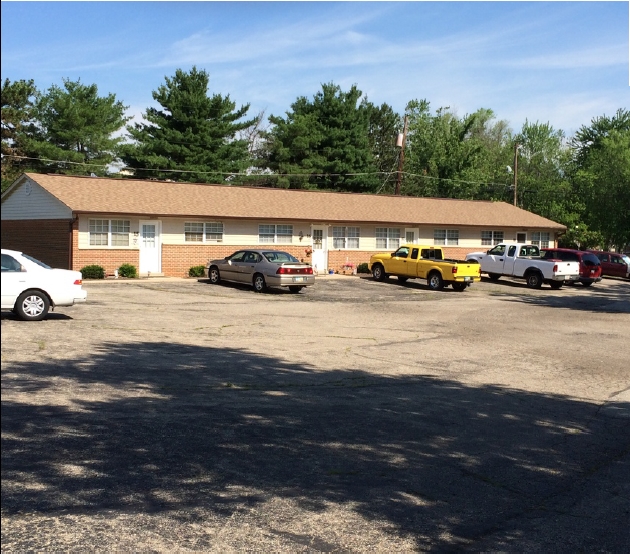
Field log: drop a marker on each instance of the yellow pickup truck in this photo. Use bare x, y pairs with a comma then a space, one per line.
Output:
414, 261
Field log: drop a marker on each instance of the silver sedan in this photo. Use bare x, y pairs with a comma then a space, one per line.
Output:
262, 268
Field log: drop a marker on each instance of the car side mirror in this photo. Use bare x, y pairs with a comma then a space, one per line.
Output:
487, 251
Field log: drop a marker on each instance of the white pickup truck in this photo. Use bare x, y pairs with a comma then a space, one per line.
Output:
515, 259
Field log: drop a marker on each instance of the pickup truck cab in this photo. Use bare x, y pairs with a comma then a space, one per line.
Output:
413, 261
523, 261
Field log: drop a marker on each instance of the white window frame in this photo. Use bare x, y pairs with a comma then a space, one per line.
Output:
541, 239
208, 232
387, 238
491, 238
113, 231
346, 238
275, 233
446, 237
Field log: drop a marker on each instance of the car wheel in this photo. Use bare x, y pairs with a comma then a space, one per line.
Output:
259, 283
32, 305
402, 279
587, 283
494, 276
460, 287
534, 280
435, 281
555, 285
378, 272
214, 276
295, 288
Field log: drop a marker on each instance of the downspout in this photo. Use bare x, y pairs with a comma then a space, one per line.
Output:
71, 249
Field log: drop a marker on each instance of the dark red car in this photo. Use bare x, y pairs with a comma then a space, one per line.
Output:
590, 266
614, 264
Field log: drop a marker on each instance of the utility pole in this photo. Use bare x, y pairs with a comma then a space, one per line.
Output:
401, 142
516, 147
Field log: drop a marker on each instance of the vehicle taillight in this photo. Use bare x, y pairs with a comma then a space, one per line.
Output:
555, 268
78, 282
294, 270
454, 270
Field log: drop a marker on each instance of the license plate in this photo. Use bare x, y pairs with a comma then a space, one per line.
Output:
299, 279
467, 278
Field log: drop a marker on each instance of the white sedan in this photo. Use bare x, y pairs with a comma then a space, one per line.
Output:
30, 288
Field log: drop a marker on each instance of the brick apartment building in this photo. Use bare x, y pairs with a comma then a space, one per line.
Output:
164, 228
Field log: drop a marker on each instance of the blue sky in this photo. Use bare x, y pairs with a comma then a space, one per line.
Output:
557, 62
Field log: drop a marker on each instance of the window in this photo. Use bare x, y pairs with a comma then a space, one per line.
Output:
540, 239
387, 238
489, 238
431, 254
275, 234
214, 232
10, 264
193, 232
345, 237
447, 237
497, 250
203, 232
105, 232
99, 232
120, 232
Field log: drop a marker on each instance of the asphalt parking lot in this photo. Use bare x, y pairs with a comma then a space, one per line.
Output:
357, 416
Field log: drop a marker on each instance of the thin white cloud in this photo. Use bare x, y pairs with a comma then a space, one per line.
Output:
604, 56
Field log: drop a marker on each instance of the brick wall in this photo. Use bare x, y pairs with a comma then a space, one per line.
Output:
110, 260
47, 240
178, 259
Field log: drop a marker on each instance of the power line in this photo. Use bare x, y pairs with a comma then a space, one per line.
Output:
387, 174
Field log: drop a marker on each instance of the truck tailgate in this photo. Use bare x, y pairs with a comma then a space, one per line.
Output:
567, 268
465, 268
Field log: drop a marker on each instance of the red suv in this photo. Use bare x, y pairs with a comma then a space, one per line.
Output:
617, 265
590, 266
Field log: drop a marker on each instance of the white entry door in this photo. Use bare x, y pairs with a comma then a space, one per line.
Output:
150, 247
411, 236
319, 238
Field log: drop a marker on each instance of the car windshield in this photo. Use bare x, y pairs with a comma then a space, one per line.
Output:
626, 259
277, 257
42, 264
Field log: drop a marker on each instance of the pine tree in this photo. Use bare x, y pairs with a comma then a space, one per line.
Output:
193, 137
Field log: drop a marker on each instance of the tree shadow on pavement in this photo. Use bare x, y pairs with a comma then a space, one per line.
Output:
614, 298
156, 427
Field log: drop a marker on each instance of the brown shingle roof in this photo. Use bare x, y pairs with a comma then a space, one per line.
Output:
161, 198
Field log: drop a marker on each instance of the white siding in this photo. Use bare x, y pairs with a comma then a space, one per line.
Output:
37, 204
235, 232
245, 232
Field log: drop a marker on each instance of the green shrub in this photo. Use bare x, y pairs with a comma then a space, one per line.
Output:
363, 268
196, 271
93, 272
127, 270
